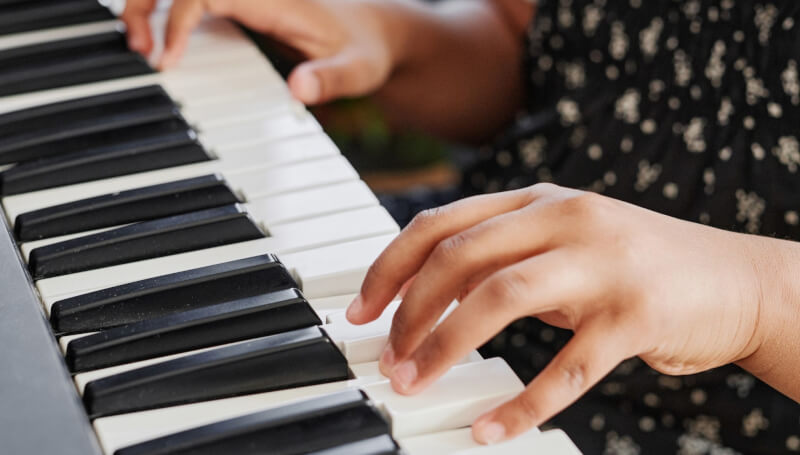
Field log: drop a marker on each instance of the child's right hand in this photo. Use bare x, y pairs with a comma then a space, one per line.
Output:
348, 48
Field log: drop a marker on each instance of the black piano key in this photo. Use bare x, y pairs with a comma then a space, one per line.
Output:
287, 360
68, 62
242, 319
146, 240
136, 155
312, 426
377, 445
110, 210
31, 15
56, 122
173, 128
170, 294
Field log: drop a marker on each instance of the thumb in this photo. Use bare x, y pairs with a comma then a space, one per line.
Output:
342, 75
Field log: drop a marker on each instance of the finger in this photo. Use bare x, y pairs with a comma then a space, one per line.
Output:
537, 284
137, 20
321, 80
406, 254
455, 261
404, 289
184, 16
591, 354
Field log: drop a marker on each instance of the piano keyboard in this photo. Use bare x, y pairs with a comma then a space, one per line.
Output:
194, 239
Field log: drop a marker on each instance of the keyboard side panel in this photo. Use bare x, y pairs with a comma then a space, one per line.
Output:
40, 412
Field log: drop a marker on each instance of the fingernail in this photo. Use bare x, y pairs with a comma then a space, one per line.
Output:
490, 433
405, 374
355, 307
387, 358
308, 87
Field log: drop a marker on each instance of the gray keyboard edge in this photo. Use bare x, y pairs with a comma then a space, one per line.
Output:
42, 412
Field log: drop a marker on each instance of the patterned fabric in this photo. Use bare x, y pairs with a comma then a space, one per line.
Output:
687, 107
690, 108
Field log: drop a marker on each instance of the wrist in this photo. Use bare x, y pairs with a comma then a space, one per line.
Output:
774, 346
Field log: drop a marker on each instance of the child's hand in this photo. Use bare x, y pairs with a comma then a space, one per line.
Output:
348, 48
630, 282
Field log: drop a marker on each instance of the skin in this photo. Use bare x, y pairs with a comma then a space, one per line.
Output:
629, 282
394, 49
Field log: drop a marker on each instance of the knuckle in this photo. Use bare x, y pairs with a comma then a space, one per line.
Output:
509, 288
426, 219
573, 374
587, 207
543, 188
449, 250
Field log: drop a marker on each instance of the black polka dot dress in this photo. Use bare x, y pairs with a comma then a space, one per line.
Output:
690, 108
687, 107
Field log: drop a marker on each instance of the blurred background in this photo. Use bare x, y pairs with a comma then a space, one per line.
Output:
408, 170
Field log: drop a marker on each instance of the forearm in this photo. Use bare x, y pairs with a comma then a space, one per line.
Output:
459, 65
775, 358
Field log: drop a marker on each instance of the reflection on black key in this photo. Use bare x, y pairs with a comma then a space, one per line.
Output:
146, 240
170, 294
172, 128
251, 317
29, 15
68, 62
59, 121
141, 204
140, 154
343, 419
293, 359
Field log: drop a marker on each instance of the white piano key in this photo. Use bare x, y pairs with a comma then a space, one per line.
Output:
202, 71
337, 269
351, 340
58, 33
298, 205
321, 272
362, 343
334, 228
340, 317
333, 304
225, 111
455, 400
124, 430
457, 441
188, 85
253, 158
121, 431
273, 211
292, 177
460, 442
313, 231
275, 125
